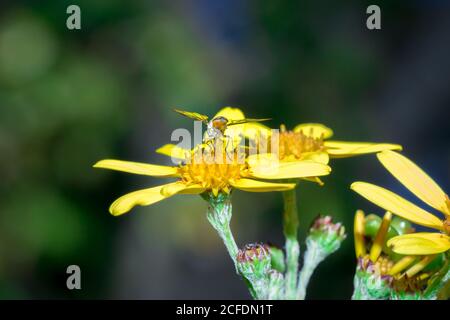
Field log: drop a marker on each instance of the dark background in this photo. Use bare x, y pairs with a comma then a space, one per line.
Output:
71, 97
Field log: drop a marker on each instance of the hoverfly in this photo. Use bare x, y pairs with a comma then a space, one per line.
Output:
215, 128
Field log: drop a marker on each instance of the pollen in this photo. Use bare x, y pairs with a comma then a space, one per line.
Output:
213, 171
294, 145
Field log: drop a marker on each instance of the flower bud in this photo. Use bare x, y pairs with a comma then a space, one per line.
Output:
326, 234
370, 282
254, 261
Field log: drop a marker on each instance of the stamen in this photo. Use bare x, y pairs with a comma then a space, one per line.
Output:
401, 265
359, 227
415, 269
424, 276
378, 243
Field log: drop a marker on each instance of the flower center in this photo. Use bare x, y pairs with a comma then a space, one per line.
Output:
254, 251
380, 267
213, 171
413, 284
294, 145
399, 282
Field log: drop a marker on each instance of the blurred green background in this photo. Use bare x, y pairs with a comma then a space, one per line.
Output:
71, 97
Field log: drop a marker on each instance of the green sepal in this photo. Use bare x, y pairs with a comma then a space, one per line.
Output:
439, 284
373, 223
401, 225
436, 264
277, 256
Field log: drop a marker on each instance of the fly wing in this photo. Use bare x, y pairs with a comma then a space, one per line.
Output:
241, 121
192, 115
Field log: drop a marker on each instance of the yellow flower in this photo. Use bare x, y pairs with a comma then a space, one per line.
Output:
307, 141
310, 141
419, 183
404, 274
205, 172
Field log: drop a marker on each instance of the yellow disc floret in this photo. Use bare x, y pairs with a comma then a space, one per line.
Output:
213, 171
294, 145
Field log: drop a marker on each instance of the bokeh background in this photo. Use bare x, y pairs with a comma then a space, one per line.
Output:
71, 97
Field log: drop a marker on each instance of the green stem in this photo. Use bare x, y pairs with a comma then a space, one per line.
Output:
219, 214
313, 256
290, 229
230, 243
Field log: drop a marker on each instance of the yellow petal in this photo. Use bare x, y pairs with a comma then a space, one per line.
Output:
235, 131
138, 168
142, 197
415, 179
179, 187
254, 130
260, 186
359, 233
288, 170
315, 130
396, 204
422, 243
192, 189
173, 151
341, 149
230, 113
263, 159
321, 157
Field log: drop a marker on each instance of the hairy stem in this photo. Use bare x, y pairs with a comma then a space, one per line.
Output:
290, 229
219, 214
313, 256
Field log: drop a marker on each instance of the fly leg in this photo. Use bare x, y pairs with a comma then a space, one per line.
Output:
227, 144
